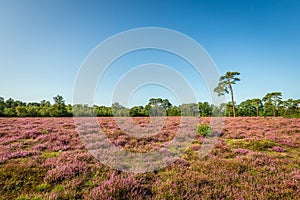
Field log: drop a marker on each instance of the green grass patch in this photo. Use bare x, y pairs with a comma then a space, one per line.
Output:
45, 131
50, 154
16, 178
262, 144
58, 188
256, 145
42, 187
22, 197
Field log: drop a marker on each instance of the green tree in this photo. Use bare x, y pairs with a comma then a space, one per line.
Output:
274, 100
189, 109
103, 111
246, 108
69, 109
205, 109
33, 110
45, 107
219, 110
10, 103
228, 109
59, 100
268, 109
225, 86
174, 111
58, 109
80, 110
257, 103
166, 105
119, 110
155, 107
2, 106
9, 112
21, 111
137, 111
290, 107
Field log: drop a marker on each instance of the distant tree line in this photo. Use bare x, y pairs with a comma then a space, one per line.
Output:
270, 105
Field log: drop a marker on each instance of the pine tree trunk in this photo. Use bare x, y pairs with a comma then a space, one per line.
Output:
232, 100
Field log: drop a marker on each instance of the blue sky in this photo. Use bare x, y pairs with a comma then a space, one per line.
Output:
44, 43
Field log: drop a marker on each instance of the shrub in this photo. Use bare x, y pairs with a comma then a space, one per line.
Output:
204, 130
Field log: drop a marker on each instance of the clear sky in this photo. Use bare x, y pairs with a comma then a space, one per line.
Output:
43, 44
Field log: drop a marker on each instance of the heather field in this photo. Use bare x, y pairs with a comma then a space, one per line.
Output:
254, 158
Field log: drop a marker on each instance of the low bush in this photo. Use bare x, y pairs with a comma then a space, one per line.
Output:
204, 130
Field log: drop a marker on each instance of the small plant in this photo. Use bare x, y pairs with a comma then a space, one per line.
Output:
42, 187
22, 197
204, 130
58, 188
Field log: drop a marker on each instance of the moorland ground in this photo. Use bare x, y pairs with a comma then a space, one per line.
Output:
254, 158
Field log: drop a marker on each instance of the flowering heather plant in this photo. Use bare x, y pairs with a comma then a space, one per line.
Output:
195, 147
240, 150
67, 171
39, 147
18, 154
181, 163
278, 149
118, 187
